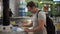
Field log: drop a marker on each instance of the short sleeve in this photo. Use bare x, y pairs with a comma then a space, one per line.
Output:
42, 16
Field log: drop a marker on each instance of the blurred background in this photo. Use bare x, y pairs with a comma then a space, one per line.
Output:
22, 15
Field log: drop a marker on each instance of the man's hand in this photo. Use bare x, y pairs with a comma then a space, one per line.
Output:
28, 30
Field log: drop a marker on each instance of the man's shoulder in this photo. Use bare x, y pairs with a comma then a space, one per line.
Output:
41, 12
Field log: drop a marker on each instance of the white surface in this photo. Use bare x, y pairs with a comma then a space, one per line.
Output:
20, 29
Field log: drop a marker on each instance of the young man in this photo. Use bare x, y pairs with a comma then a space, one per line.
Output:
38, 22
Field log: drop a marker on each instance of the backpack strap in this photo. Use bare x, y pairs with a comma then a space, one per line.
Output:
38, 13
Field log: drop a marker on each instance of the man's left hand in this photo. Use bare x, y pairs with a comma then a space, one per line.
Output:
28, 30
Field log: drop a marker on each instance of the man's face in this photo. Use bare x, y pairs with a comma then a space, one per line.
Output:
30, 9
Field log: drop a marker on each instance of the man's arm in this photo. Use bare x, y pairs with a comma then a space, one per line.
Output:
38, 28
41, 22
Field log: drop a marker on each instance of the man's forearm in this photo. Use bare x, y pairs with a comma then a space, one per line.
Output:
36, 29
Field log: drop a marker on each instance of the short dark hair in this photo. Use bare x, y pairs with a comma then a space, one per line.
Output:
31, 4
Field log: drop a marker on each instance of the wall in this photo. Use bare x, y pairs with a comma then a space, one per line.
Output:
1, 8
13, 4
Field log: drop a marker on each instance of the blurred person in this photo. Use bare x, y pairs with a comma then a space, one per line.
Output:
38, 22
49, 22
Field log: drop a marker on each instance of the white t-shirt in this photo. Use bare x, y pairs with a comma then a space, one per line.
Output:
41, 15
